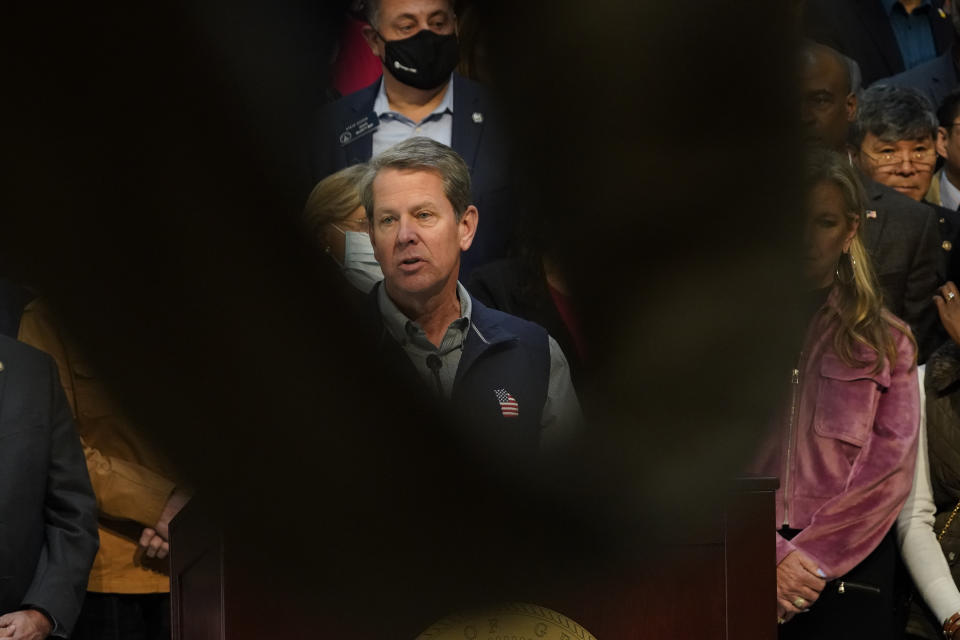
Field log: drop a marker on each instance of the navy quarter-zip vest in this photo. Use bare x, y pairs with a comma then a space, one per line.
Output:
504, 359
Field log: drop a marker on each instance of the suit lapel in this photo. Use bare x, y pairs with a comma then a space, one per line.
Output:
876, 22
361, 149
3, 388
942, 29
944, 71
874, 223
468, 120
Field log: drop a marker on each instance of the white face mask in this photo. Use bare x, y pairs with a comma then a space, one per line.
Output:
359, 266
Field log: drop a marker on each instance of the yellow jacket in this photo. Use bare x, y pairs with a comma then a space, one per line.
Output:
129, 478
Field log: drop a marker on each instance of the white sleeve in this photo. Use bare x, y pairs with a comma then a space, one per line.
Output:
918, 541
561, 418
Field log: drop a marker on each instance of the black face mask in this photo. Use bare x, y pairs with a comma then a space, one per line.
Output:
425, 60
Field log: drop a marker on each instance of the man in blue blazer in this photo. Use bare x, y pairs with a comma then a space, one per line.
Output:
48, 513
419, 94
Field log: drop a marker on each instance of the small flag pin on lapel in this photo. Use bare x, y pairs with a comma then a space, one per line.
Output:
477, 117
508, 404
871, 213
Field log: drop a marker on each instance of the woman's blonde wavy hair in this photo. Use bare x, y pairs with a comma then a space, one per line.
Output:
333, 199
860, 302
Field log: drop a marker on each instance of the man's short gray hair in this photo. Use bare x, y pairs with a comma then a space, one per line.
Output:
422, 154
371, 9
893, 114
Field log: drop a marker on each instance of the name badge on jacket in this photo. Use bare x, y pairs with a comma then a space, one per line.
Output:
362, 127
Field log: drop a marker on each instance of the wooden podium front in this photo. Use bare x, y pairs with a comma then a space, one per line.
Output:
719, 582
197, 594
716, 582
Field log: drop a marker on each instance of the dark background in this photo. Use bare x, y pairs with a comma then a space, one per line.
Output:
154, 173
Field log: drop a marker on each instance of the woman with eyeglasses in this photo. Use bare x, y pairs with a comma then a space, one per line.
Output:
844, 445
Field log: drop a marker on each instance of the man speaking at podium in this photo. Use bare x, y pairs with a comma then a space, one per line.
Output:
505, 376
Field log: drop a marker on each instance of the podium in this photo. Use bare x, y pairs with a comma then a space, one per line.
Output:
719, 582
197, 576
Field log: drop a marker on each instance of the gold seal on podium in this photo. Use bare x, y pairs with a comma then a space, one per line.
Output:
511, 621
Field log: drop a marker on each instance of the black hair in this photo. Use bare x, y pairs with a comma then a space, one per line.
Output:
893, 113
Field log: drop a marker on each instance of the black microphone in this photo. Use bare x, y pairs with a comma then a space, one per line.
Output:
434, 363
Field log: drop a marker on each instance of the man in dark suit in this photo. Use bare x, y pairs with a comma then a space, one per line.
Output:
895, 144
936, 78
885, 37
899, 233
420, 95
902, 238
943, 190
47, 508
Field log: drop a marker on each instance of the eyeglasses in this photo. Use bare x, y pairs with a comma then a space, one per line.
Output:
921, 159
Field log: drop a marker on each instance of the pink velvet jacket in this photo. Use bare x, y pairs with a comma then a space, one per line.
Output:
844, 448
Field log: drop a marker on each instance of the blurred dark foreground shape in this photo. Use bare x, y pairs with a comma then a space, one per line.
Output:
155, 169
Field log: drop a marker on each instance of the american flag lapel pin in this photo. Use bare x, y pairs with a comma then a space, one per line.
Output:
508, 404
871, 214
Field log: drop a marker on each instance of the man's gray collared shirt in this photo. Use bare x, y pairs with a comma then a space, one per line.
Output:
396, 127
419, 349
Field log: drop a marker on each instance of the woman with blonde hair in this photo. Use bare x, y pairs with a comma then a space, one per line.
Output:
844, 446
337, 222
